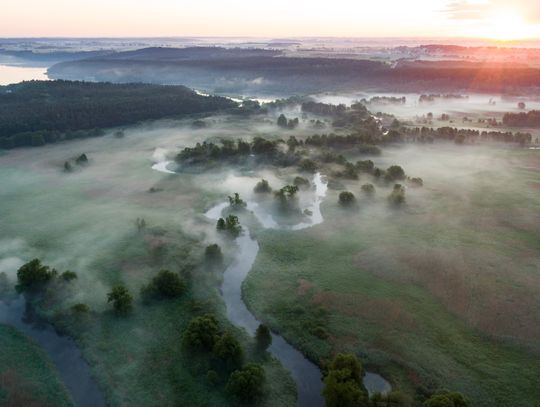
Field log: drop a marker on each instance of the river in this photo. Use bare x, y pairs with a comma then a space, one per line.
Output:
306, 374
62, 350
14, 74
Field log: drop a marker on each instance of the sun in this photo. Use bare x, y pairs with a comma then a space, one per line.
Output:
507, 26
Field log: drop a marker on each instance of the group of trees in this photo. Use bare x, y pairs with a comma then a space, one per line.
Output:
433, 97
229, 224
80, 161
39, 112
236, 203
384, 100
204, 336
226, 151
428, 135
343, 387
289, 124
34, 277
522, 119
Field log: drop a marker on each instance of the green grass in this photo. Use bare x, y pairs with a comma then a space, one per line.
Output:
27, 377
443, 293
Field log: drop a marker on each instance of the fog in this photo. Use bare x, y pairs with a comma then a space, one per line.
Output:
476, 205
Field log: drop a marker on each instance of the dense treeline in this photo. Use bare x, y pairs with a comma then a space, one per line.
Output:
428, 135
529, 119
38, 112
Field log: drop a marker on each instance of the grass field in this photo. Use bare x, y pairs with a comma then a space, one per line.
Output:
27, 377
440, 293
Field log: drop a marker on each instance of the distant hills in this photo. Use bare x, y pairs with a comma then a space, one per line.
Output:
265, 71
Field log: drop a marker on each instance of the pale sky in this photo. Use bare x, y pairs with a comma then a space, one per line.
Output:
498, 19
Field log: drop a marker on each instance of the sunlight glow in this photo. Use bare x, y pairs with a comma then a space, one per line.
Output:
507, 26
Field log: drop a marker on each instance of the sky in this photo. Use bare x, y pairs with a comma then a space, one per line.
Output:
494, 19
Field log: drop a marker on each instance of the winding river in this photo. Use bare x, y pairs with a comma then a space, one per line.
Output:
305, 373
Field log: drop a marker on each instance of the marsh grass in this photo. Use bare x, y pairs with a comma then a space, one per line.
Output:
441, 293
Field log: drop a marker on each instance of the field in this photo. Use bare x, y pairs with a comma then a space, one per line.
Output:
27, 377
440, 293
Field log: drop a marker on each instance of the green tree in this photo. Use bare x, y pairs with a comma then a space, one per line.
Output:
213, 253
341, 391
246, 385
236, 202
228, 350
165, 285
397, 196
282, 121
262, 187
121, 299
202, 332
68, 275
343, 383
347, 198
349, 362
394, 173
33, 276
263, 337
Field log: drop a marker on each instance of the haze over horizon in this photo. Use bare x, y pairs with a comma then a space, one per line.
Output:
501, 20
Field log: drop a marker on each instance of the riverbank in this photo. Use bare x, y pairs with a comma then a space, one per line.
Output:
27, 376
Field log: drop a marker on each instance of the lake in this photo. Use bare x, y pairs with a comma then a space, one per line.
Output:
14, 74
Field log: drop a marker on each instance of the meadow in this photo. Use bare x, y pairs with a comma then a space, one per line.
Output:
441, 293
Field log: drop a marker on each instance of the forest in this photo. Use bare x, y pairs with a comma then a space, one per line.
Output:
38, 112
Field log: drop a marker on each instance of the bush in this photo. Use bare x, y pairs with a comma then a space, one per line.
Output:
121, 299
246, 385
346, 198
416, 182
